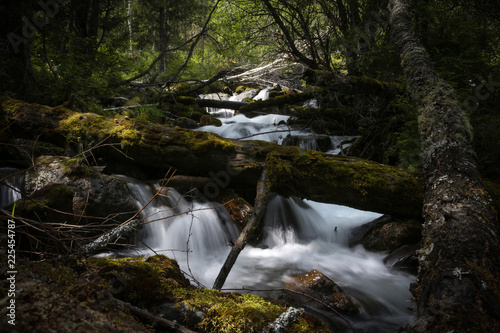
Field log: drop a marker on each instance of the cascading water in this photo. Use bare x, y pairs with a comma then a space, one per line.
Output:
269, 127
194, 233
298, 236
10, 189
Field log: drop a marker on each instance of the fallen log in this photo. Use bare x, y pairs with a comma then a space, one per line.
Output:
213, 103
229, 163
261, 200
458, 286
129, 107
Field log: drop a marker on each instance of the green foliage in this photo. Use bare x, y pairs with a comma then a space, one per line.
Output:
149, 113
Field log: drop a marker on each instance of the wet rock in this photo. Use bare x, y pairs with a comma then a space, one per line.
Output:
405, 258
319, 286
386, 234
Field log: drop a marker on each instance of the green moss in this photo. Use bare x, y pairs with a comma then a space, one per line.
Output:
230, 312
142, 282
134, 101
92, 126
200, 142
75, 167
308, 324
45, 203
209, 120
278, 170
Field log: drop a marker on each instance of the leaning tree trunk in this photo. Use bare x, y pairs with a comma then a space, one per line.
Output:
457, 288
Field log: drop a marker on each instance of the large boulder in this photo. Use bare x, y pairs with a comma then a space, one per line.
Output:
65, 204
386, 234
96, 195
320, 287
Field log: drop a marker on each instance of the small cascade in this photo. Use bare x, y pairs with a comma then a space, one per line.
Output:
298, 236
216, 112
10, 188
196, 234
301, 235
262, 95
271, 128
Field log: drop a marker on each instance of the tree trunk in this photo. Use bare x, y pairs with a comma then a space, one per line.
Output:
229, 163
458, 289
129, 23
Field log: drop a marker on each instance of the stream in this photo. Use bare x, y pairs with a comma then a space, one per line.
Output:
298, 236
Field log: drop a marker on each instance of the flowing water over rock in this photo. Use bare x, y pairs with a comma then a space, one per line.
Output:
268, 127
299, 235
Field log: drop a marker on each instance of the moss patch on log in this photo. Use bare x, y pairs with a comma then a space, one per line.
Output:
361, 181
91, 125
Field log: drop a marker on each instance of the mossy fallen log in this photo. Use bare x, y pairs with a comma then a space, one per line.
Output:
458, 288
229, 163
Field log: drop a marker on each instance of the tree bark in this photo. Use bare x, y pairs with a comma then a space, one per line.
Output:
253, 224
103, 240
458, 289
229, 163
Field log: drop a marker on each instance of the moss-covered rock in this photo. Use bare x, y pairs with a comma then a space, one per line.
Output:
46, 204
209, 120
63, 297
145, 283
158, 285
95, 194
184, 122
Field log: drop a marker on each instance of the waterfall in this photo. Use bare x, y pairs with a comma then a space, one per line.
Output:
298, 236
10, 188
196, 234
301, 235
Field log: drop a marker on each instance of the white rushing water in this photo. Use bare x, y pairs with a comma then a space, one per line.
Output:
299, 235
267, 127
